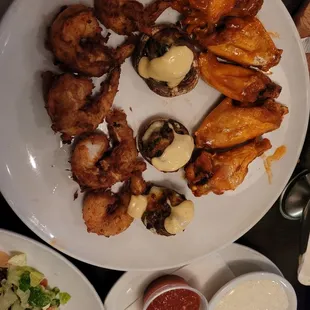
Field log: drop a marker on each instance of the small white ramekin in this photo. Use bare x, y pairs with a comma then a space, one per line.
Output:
290, 292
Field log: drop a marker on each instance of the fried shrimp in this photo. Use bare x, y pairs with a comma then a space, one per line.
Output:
119, 15
76, 41
105, 213
137, 183
69, 106
95, 166
127, 16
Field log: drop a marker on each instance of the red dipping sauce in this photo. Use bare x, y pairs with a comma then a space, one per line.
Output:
172, 292
179, 299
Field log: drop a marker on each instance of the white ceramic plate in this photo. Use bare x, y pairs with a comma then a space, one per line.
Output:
58, 271
207, 275
33, 176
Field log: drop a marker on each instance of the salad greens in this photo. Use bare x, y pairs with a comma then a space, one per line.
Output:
25, 288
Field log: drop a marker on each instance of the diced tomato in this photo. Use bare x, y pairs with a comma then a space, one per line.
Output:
44, 282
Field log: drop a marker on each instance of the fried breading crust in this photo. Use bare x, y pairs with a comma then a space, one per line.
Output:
95, 166
127, 16
69, 105
105, 213
225, 171
76, 41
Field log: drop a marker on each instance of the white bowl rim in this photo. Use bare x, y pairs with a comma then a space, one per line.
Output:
287, 286
173, 287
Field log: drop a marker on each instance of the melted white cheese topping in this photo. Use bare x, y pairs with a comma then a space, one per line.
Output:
176, 155
172, 67
137, 206
154, 127
180, 217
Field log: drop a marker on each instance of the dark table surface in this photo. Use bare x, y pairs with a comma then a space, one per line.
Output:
273, 236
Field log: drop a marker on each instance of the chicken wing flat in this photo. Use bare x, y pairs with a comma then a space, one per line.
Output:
221, 172
201, 16
244, 41
229, 125
236, 82
246, 8
212, 10
69, 105
127, 16
218, 8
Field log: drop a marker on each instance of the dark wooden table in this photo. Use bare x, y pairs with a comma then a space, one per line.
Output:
273, 236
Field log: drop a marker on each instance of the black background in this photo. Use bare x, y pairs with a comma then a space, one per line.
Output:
273, 236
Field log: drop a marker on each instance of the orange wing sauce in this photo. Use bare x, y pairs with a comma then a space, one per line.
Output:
277, 155
274, 34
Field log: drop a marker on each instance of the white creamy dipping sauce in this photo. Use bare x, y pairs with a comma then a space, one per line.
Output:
255, 295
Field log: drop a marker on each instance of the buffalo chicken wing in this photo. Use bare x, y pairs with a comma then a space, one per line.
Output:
221, 172
229, 125
246, 8
201, 16
236, 82
244, 41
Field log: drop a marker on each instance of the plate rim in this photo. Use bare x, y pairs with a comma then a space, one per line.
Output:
234, 246
58, 256
3, 29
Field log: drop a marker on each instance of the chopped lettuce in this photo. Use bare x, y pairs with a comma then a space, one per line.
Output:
18, 260
24, 281
4, 286
39, 297
7, 299
22, 288
14, 274
35, 278
23, 297
24, 277
56, 290
17, 306
64, 298
55, 303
